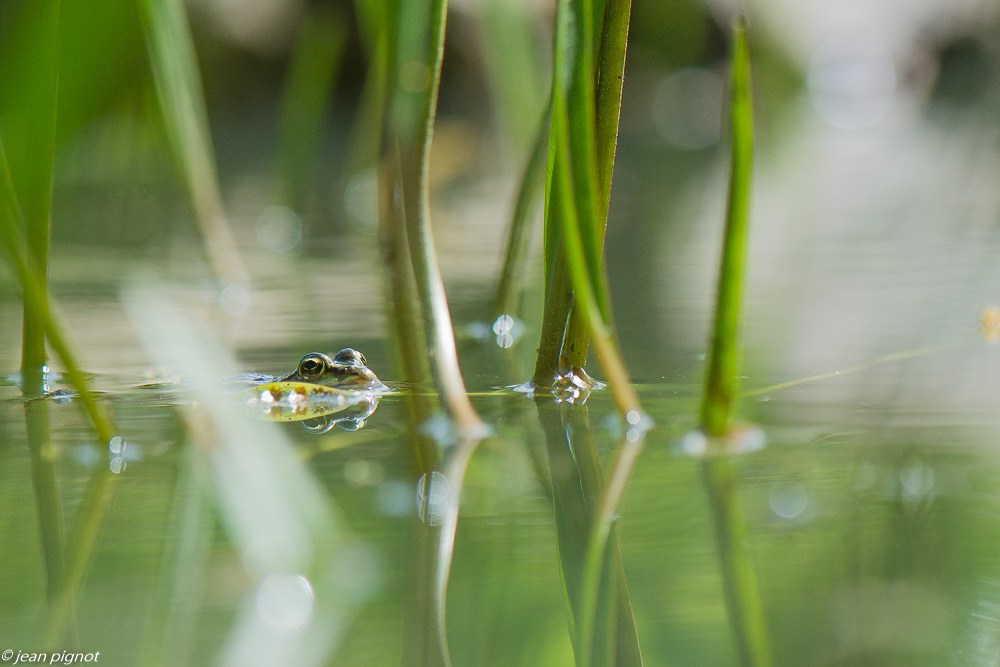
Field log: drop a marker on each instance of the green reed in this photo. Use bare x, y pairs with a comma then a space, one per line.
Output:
738, 571
419, 33
318, 52
65, 571
27, 218
518, 234
182, 105
574, 222
415, 34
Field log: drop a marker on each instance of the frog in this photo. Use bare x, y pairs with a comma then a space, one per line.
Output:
347, 370
319, 386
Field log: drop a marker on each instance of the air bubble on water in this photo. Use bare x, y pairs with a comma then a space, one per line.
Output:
788, 499
116, 454
432, 497
508, 329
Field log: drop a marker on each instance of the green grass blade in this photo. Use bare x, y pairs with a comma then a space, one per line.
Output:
29, 95
515, 251
29, 65
182, 104
584, 297
611, 75
508, 31
419, 53
306, 97
723, 365
739, 574
37, 301
97, 497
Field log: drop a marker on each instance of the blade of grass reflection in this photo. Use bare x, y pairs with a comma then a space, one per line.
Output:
182, 105
47, 504
739, 575
455, 465
599, 610
172, 614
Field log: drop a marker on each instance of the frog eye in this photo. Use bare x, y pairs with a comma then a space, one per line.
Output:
312, 367
351, 356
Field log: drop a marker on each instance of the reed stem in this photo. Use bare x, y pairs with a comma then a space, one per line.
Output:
182, 104
739, 575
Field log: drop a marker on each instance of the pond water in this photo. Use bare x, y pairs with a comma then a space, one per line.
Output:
872, 511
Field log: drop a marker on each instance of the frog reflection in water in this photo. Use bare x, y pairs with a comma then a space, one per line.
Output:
318, 388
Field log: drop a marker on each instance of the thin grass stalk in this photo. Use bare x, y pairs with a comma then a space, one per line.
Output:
409, 331
182, 104
364, 143
622, 390
33, 250
37, 191
558, 291
582, 122
739, 574
98, 495
516, 248
724, 361
558, 301
611, 75
310, 80
416, 207
37, 301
